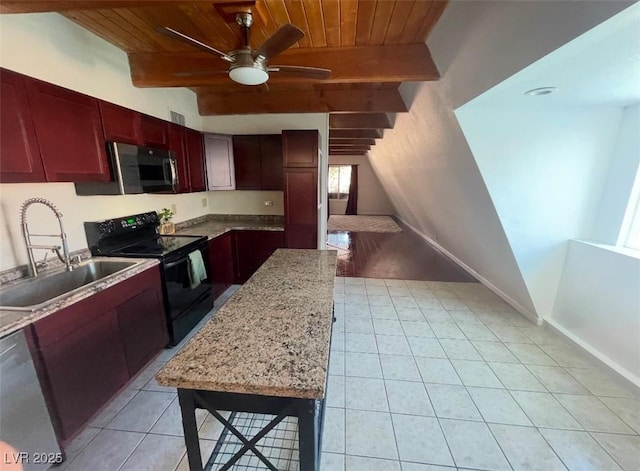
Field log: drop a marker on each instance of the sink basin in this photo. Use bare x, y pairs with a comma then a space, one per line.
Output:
33, 293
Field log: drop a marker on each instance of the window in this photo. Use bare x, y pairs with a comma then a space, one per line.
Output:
339, 181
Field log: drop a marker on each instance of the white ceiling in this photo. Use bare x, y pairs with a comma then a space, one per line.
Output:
600, 67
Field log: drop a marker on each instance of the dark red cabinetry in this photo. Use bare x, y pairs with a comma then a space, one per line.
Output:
300, 150
222, 263
258, 162
246, 160
86, 352
120, 124
155, 132
19, 152
253, 248
271, 162
195, 155
69, 131
143, 332
177, 146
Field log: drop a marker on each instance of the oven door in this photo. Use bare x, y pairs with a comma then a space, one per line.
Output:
180, 296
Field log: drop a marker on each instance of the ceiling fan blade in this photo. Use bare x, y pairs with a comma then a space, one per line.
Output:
200, 73
301, 71
172, 33
281, 40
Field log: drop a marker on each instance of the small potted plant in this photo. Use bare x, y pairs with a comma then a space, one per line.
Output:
166, 226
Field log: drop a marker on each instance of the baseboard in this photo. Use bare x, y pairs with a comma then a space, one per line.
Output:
607, 362
508, 299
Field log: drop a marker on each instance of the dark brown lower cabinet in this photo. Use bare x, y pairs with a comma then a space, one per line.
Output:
86, 352
253, 248
221, 263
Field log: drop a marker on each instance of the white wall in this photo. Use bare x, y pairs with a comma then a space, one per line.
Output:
545, 169
246, 202
622, 173
431, 177
372, 199
598, 304
478, 44
272, 124
51, 48
75, 210
425, 163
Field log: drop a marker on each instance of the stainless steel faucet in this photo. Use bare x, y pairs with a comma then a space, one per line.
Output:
64, 258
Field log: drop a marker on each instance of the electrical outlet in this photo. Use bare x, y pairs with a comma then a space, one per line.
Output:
268, 203
173, 209
204, 202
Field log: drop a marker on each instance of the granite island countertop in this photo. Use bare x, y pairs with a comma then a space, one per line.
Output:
12, 321
213, 228
271, 337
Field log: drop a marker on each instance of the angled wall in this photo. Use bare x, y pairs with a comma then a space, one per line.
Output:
425, 163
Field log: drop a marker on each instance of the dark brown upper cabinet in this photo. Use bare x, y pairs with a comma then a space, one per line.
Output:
258, 162
19, 152
155, 132
69, 131
300, 148
194, 143
121, 124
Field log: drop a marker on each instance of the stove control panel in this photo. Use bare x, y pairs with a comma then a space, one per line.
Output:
100, 230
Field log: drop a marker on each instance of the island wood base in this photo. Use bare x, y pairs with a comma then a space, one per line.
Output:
310, 414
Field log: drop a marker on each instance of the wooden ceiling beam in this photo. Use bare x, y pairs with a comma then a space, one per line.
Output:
339, 142
349, 147
356, 64
359, 121
348, 152
299, 101
43, 6
355, 133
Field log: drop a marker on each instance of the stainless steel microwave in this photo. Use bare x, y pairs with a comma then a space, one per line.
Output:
136, 169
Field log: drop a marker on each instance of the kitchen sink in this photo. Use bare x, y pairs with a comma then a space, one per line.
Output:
34, 293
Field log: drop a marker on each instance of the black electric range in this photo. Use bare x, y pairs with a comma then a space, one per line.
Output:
137, 236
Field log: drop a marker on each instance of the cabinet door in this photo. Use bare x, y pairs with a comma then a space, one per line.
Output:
246, 157
300, 148
177, 145
253, 248
271, 162
301, 207
155, 132
195, 156
85, 368
245, 264
143, 327
20, 160
70, 135
221, 263
219, 160
120, 124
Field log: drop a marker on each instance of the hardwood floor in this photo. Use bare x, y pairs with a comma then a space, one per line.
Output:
401, 255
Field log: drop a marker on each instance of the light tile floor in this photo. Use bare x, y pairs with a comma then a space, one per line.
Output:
423, 376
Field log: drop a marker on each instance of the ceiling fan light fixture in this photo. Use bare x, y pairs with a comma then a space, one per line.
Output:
247, 75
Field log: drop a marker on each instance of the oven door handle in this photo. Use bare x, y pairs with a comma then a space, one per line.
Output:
173, 264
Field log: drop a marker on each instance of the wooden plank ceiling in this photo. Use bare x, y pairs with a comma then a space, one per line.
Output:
371, 47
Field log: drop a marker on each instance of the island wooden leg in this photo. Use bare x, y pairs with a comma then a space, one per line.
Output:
309, 427
190, 428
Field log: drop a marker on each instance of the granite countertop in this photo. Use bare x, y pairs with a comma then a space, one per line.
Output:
213, 228
11, 321
271, 337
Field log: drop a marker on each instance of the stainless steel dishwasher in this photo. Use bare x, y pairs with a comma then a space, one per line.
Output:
25, 423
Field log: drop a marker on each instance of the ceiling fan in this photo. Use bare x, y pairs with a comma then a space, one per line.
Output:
249, 67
